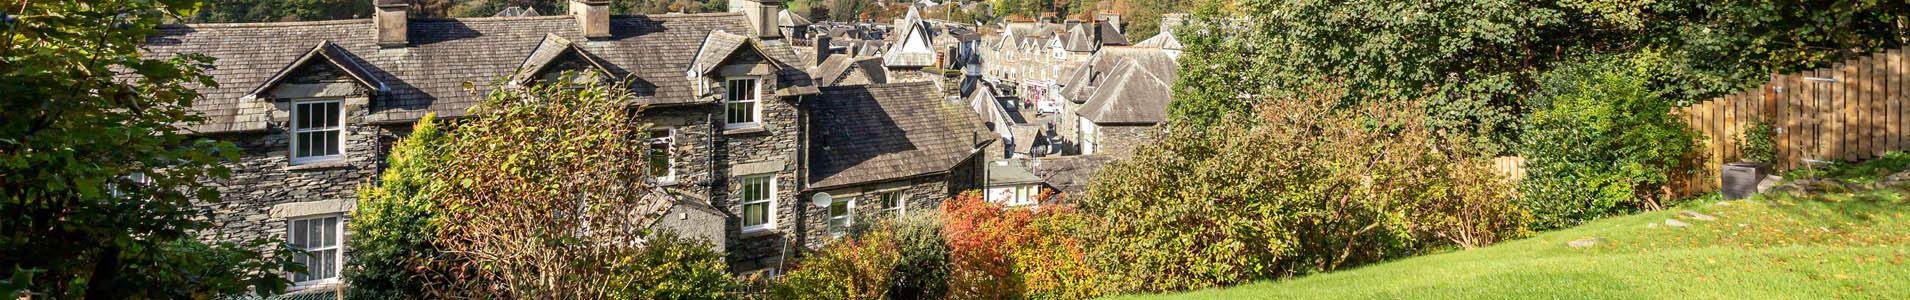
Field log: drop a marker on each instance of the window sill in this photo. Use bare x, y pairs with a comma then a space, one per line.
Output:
760, 232
318, 165
745, 130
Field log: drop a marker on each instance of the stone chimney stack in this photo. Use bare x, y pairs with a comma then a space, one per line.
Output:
1170, 22
390, 17
763, 17
593, 18
822, 48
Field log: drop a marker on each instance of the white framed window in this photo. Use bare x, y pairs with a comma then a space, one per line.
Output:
661, 153
317, 237
317, 134
892, 202
841, 216
759, 205
743, 102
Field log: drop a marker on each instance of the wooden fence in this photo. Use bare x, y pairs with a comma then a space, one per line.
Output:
1851, 111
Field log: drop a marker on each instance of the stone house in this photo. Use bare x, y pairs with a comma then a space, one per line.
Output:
315, 106
1115, 99
889, 150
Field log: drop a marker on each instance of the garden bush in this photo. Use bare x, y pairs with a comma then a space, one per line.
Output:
862, 267
671, 267
997, 252
392, 248
1301, 185
1603, 142
911, 247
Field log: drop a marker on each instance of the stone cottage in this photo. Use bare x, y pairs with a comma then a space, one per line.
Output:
315, 106
1112, 101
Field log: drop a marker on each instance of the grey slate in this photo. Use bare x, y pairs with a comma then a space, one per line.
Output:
883, 132
429, 75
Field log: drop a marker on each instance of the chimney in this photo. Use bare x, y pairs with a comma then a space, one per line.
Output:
1113, 19
389, 15
822, 48
593, 18
1172, 21
763, 17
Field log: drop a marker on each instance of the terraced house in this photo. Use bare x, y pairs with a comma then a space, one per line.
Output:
315, 106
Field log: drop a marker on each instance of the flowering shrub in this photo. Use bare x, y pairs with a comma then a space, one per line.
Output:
997, 252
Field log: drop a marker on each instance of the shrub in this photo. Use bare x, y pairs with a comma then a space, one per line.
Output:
1301, 185
1756, 143
858, 268
1603, 143
922, 270
911, 247
392, 246
671, 267
550, 195
997, 252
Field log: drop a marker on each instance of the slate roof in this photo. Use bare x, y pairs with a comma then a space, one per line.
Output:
883, 132
1111, 35
1093, 73
427, 76
1124, 85
841, 69
1006, 173
1163, 40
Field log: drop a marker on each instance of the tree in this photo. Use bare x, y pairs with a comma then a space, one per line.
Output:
394, 254
1604, 143
100, 170
1305, 186
551, 194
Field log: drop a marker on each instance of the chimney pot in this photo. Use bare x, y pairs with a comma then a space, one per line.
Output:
389, 16
593, 18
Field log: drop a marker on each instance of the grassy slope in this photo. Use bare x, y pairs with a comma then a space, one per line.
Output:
1841, 245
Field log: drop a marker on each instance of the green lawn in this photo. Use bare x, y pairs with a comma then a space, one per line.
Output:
1853, 245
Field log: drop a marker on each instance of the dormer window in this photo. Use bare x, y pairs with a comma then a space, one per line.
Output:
743, 100
317, 134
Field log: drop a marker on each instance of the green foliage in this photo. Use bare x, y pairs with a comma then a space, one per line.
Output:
921, 271
671, 267
859, 268
572, 153
1354, 185
1603, 143
393, 254
101, 174
235, 11
1756, 143
907, 254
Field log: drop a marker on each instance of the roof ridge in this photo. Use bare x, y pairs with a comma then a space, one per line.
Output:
487, 19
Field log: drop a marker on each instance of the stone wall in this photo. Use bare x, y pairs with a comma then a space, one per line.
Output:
263, 178
1120, 140
921, 195
773, 148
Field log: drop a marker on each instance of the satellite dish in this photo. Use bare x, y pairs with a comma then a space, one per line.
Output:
821, 199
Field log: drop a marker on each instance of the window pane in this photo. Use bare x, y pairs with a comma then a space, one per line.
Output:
301, 116
659, 162
331, 143
330, 226
293, 234
755, 214
838, 208
331, 114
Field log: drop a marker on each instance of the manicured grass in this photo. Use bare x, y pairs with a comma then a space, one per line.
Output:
1864, 173
1846, 246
